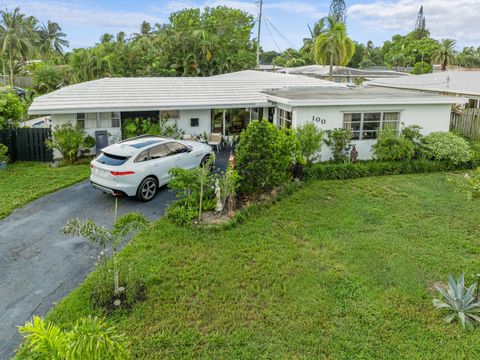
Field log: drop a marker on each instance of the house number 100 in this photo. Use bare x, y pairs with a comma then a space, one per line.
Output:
319, 120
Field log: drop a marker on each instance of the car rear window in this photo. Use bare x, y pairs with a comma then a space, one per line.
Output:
112, 160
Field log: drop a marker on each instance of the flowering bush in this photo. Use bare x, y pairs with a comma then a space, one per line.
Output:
446, 146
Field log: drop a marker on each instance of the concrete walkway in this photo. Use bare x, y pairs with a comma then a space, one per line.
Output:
39, 265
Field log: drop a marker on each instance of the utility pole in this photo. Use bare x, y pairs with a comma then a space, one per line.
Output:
258, 34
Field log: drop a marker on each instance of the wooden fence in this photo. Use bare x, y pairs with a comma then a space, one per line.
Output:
468, 123
27, 144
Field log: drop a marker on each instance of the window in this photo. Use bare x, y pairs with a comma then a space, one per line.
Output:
143, 156
176, 148
112, 160
284, 118
170, 114
158, 152
115, 119
365, 126
194, 122
81, 120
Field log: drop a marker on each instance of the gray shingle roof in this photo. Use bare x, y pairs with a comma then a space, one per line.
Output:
129, 94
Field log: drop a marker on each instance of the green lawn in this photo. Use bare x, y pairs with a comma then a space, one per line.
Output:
338, 270
23, 182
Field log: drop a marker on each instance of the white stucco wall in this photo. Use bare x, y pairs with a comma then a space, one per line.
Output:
204, 121
114, 134
430, 117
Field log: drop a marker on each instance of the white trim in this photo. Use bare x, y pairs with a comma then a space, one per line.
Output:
148, 108
380, 101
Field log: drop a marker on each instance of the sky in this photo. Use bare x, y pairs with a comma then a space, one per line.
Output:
284, 25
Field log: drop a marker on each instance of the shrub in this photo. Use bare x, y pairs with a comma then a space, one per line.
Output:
460, 302
90, 338
264, 157
138, 126
446, 146
182, 212
103, 295
412, 133
194, 193
3, 153
67, 140
11, 108
338, 140
343, 171
390, 146
89, 142
310, 139
422, 68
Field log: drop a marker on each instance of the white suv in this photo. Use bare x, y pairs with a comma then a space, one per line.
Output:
139, 166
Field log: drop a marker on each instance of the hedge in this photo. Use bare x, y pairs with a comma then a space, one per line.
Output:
342, 171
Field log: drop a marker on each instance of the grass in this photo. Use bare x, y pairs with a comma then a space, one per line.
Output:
338, 270
23, 182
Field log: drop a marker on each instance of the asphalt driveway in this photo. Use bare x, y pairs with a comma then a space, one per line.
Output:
39, 265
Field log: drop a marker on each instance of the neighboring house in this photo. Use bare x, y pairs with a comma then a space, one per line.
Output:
341, 74
362, 110
227, 103
455, 83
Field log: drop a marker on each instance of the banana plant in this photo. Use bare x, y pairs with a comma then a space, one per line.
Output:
459, 301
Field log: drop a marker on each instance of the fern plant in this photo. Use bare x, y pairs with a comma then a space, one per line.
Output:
459, 301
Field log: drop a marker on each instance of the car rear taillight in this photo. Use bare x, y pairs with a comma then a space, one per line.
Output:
121, 173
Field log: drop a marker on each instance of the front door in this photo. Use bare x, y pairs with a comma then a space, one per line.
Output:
101, 140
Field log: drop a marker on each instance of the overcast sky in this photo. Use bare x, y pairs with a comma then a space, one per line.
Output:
285, 22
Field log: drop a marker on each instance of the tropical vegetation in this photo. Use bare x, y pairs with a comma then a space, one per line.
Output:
319, 274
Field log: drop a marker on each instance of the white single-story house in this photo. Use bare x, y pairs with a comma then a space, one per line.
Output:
227, 103
363, 110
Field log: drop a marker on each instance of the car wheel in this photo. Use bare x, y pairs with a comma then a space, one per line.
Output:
147, 189
205, 160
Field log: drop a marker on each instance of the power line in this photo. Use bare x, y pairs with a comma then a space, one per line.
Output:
273, 39
278, 31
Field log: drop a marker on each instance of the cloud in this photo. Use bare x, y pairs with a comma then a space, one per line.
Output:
445, 18
78, 15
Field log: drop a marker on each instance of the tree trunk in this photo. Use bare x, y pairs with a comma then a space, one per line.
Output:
444, 65
10, 65
331, 67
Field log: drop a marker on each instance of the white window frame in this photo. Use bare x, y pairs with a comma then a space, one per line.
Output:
382, 121
282, 119
81, 117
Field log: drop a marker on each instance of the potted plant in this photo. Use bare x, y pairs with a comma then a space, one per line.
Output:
3, 156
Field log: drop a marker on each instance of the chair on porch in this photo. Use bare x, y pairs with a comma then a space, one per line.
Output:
215, 140
189, 137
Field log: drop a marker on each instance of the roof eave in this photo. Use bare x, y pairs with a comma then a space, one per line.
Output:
353, 102
39, 111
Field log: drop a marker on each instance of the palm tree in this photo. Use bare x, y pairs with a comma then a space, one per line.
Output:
333, 46
318, 28
51, 39
15, 37
446, 53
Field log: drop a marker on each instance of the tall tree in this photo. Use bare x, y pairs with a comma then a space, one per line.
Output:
15, 37
445, 54
338, 11
52, 39
333, 46
421, 30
